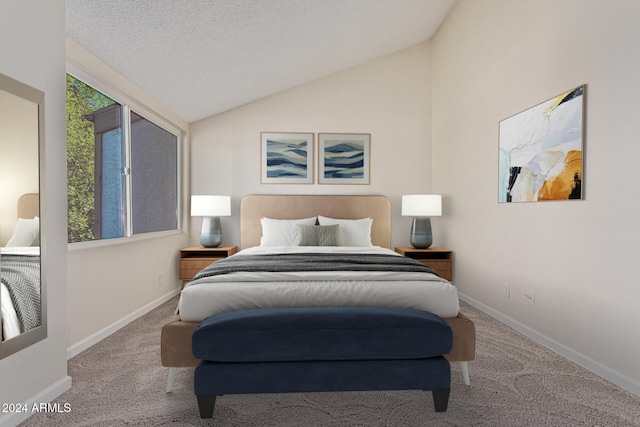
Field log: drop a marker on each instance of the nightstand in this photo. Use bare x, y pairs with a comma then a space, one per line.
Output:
441, 260
195, 258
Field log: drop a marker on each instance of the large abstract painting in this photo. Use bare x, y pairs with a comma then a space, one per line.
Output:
343, 158
541, 151
287, 158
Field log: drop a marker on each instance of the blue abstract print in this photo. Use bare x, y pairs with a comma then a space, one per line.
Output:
344, 159
287, 158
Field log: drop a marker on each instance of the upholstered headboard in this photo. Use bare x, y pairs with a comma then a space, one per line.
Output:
29, 206
254, 207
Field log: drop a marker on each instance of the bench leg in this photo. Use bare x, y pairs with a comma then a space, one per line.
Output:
172, 374
441, 399
465, 372
206, 404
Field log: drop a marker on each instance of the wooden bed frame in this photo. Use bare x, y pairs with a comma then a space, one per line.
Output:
29, 206
176, 334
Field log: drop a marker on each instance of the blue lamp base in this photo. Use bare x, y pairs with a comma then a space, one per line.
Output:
421, 236
211, 232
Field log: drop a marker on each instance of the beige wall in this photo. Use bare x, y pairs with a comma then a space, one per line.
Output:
32, 37
388, 98
492, 59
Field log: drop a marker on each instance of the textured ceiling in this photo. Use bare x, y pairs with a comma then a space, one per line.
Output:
203, 57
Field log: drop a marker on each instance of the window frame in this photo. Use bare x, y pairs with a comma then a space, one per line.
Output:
130, 104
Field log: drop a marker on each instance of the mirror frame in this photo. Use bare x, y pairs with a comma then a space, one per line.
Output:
35, 335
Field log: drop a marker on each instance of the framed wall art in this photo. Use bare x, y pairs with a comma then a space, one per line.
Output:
286, 158
541, 151
343, 158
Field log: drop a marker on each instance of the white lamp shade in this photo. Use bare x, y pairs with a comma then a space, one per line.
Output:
422, 205
210, 206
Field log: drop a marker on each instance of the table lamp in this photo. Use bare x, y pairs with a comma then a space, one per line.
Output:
211, 208
421, 207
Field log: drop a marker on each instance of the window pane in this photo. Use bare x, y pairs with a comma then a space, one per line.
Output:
112, 186
95, 161
154, 172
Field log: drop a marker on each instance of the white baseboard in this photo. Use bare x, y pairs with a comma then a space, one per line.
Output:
557, 347
81, 346
33, 405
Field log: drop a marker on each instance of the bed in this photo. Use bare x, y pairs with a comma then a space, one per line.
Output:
20, 272
176, 336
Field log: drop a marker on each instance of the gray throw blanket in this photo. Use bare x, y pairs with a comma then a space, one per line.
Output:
313, 262
21, 275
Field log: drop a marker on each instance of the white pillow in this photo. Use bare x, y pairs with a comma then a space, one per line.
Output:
282, 232
26, 233
352, 232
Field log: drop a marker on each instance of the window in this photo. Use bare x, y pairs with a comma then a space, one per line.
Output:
122, 168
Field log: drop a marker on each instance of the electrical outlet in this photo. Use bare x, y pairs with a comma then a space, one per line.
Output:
531, 298
506, 290
160, 279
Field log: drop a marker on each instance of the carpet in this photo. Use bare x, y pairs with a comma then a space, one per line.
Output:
514, 382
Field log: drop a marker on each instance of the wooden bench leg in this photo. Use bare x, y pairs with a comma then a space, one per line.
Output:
206, 404
441, 399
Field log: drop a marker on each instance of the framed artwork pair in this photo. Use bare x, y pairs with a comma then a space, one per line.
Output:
288, 158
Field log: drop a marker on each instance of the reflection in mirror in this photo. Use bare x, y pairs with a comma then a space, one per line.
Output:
22, 314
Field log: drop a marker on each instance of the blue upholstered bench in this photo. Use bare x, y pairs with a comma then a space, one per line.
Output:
321, 349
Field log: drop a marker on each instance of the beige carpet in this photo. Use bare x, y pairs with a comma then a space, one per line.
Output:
514, 382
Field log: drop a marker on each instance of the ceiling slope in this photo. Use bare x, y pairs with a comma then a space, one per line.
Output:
202, 57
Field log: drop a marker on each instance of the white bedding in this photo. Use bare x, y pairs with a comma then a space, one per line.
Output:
10, 322
239, 291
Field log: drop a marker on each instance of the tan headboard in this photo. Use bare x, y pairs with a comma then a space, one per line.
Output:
29, 206
254, 207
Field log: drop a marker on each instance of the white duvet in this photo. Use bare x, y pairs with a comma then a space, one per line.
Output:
239, 291
10, 322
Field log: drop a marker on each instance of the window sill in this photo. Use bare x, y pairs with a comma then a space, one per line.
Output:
92, 244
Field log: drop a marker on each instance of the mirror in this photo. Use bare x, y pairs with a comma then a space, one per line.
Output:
23, 309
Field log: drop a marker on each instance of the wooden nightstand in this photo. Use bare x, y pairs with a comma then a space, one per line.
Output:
195, 258
441, 260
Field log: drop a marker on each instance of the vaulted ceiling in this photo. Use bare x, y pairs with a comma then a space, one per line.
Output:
203, 57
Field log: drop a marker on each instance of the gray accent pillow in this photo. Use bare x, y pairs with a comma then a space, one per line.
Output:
318, 235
